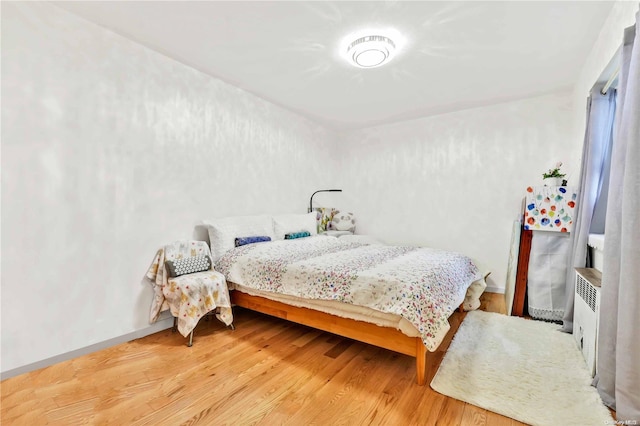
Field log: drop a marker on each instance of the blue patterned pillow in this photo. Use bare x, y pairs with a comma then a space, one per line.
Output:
187, 265
294, 235
241, 241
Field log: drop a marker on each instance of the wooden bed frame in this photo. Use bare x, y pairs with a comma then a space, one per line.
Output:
384, 337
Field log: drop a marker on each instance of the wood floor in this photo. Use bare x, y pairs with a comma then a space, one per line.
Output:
266, 372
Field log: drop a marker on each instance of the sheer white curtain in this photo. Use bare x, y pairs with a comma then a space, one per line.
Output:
618, 365
595, 156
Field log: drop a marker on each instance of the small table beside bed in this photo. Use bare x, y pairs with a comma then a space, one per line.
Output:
395, 297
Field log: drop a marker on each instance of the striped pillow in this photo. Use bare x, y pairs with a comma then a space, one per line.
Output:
294, 235
187, 265
241, 241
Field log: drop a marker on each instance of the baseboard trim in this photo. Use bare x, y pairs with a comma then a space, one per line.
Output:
160, 325
492, 289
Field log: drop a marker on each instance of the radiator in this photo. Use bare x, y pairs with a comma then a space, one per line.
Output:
586, 314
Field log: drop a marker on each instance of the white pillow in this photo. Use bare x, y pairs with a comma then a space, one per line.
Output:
287, 223
224, 231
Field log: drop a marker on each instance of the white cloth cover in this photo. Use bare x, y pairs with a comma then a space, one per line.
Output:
547, 272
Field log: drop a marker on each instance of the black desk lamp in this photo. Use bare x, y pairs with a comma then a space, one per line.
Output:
322, 190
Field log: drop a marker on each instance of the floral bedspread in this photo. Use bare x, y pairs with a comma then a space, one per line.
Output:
422, 285
191, 296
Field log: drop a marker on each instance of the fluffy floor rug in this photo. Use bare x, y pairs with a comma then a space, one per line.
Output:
527, 370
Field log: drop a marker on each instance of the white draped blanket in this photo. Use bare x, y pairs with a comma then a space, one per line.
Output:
191, 296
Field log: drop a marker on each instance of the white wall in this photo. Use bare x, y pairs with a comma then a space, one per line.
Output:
456, 181
109, 150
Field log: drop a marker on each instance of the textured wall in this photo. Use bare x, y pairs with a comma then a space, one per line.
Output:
109, 150
456, 181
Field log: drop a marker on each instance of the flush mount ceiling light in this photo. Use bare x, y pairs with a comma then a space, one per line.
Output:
371, 48
371, 51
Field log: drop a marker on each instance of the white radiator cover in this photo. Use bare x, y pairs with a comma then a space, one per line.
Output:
585, 319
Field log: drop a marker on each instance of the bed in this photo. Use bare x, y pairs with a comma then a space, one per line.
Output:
395, 297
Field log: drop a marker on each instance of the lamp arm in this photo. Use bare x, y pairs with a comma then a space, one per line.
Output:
320, 190
311, 201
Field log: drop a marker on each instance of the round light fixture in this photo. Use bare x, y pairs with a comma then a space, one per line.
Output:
371, 48
371, 51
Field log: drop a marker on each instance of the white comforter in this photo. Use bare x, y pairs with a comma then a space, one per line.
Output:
421, 285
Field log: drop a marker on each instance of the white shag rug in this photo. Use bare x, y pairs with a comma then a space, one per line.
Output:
524, 369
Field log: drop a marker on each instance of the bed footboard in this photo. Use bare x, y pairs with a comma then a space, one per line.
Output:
384, 337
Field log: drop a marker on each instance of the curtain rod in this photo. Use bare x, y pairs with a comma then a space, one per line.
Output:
611, 80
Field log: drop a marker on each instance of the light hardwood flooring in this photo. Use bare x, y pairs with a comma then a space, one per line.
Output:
266, 372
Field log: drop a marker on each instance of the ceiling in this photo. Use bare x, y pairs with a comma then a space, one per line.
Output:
457, 54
